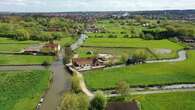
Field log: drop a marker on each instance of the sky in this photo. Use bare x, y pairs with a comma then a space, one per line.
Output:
92, 5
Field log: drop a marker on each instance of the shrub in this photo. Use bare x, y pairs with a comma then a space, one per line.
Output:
98, 102
72, 101
45, 63
126, 36
76, 84
122, 88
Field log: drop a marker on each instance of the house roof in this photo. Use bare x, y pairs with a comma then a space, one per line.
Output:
82, 61
122, 106
50, 45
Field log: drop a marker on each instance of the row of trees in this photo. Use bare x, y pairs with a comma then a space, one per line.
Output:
38, 28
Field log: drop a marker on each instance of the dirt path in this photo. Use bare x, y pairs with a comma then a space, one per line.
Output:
60, 84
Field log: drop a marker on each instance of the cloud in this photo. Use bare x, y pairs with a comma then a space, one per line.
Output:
93, 5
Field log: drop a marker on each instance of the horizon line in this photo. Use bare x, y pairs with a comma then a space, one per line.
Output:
97, 11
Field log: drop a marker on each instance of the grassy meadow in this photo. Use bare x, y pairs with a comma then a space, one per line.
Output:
9, 45
168, 101
9, 59
66, 40
21, 90
116, 52
145, 74
153, 45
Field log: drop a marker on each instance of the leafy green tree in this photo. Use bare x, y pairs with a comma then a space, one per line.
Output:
83, 102
76, 84
68, 54
72, 101
122, 88
98, 102
22, 34
57, 35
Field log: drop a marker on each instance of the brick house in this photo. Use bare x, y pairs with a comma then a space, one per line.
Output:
82, 64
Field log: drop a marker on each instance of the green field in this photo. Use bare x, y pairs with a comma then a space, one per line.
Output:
145, 74
118, 53
153, 45
8, 59
12, 47
7, 40
66, 40
9, 45
21, 90
169, 101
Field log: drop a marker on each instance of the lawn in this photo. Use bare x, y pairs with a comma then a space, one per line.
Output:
7, 59
153, 45
21, 90
144, 75
169, 101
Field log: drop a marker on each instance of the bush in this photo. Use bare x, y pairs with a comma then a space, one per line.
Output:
76, 84
74, 102
122, 88
45, 63
112, 36
98, 102
126, 36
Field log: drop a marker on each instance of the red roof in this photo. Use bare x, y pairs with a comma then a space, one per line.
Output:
51, 45
82, 61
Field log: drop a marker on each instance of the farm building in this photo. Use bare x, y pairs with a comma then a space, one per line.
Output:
34, 49
50, 48
122, 106
87, 63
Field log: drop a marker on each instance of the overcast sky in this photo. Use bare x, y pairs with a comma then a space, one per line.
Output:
92, 5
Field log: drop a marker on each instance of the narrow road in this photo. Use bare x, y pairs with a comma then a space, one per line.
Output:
181, 57
79, 42
156, 92
60, 84
181, 54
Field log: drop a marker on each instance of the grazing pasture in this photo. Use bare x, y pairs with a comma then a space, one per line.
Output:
144, 74
21, 90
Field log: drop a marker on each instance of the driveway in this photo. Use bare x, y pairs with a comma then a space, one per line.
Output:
60, 84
